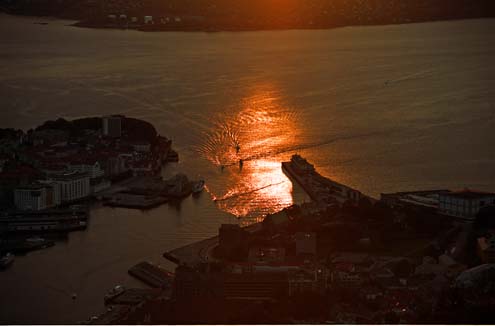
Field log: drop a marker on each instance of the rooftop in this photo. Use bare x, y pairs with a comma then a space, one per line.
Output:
469, 194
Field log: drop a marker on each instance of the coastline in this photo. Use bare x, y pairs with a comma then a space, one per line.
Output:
200, 28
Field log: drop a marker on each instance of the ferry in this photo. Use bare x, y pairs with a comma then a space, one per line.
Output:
6, 260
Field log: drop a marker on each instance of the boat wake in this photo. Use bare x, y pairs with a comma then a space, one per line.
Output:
239, 194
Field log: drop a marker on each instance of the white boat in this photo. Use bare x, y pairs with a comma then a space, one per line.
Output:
35, 240
113, 293
198, 186
6, 260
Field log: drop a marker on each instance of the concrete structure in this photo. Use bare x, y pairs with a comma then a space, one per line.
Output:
32, 197
73, 186
465, 203
37, 196
112, 126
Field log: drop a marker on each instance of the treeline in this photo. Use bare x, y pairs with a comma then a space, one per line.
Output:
264, 13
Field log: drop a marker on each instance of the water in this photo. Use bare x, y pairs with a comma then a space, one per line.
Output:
382, 109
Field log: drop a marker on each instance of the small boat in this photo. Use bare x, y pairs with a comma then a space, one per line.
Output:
6, 260
113, 293
35, 240
198, 187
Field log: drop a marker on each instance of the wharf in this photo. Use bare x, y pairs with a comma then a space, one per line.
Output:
23, 247
152, 275
287, 168
194, 253
135, 201
321, 189
38, 224
79, 212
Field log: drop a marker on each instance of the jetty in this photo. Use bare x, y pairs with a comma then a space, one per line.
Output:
319, 188
135, 201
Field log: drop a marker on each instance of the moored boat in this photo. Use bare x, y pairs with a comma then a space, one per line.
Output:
6, 260
198, 187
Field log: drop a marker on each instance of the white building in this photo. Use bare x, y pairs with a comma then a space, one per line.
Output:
464, 204
112, 126
148, 19
31, 198
93, 169
73, 186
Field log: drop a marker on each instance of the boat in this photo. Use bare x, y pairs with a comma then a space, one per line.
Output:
198, 187
113, 293
35, 240
6, 260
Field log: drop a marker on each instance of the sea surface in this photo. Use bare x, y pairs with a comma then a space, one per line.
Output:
382, 109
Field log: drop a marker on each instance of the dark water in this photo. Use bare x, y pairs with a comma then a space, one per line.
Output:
382, 109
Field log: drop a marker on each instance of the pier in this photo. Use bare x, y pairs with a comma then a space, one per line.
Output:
319, 188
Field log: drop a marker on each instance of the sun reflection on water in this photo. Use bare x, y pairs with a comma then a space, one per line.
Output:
247, 146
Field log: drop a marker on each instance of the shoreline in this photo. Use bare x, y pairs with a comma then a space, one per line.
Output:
74, 22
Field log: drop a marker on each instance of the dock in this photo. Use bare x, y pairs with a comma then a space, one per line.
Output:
287, 168
152, 275
135, 201
320, 189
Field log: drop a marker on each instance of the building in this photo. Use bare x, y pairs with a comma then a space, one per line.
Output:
231, 240
90, 166
37, 196
32, 197
464, 204
112, 126
305, 243
486, 248
73, 185
426, 200
266, 255
142, 147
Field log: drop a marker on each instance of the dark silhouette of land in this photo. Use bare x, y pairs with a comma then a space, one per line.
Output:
215, 15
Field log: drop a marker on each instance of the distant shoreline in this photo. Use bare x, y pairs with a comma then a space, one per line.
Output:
159, 28
216, 29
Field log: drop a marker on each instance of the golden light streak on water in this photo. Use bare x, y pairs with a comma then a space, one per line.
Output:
244, 146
